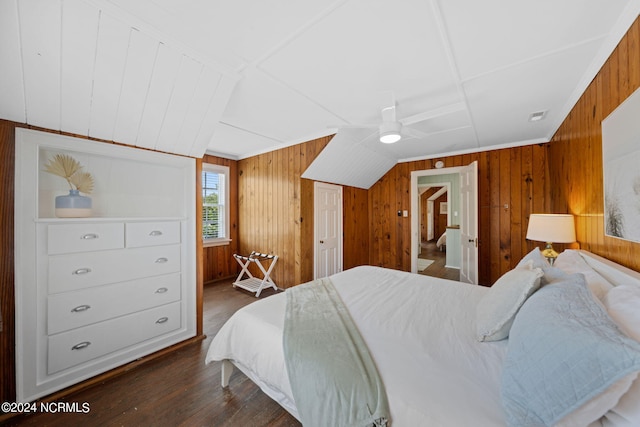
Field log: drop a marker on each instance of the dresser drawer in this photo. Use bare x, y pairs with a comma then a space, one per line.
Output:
74, 347
70, 310
88, 269
152, 233
71, 238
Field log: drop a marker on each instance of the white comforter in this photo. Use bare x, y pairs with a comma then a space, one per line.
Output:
420, 331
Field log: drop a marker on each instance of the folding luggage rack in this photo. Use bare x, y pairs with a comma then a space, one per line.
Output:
251, 283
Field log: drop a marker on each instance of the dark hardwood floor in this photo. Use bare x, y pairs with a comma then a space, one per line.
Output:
178, 389
437, 269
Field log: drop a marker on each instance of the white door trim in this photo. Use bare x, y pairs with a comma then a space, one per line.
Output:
415, 229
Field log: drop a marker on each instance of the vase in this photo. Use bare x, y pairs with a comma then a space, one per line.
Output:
73, 205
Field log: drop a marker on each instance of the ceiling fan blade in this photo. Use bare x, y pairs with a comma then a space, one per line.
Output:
431, 114
353, 126
413, 133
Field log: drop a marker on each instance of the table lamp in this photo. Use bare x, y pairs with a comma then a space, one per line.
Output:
551, 228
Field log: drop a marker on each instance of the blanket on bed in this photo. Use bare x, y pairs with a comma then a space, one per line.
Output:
333, 378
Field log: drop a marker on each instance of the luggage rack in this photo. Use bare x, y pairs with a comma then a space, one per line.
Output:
251, 283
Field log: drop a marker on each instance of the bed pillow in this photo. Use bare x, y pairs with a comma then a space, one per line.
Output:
551, 274
570, 261
623, 305
565, 352
626, 413
496, 310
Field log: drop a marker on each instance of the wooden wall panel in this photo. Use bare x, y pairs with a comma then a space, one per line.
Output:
217, 261
513, 177
356, 227
7, 335
575, 153
275, 209
440, 223
275, 212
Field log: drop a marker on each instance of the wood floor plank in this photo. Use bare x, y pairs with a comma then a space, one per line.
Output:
437, 269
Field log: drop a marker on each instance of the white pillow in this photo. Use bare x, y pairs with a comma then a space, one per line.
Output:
592, 411
623, 304
497, 309
551, 274
571, 262
627, 412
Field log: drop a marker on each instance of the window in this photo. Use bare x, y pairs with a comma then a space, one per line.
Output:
215, 204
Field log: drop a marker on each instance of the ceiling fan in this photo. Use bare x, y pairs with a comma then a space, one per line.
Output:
391, 130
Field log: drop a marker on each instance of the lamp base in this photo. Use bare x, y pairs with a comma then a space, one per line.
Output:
549, 253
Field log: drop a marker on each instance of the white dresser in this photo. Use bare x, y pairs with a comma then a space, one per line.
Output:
95, 293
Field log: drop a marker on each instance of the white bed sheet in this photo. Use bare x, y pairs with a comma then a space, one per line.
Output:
420, 331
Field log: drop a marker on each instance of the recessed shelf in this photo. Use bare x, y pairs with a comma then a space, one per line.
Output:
128, 182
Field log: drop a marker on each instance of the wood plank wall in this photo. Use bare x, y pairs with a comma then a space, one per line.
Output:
218, 262
273, 209
7, 335
440, 220
575, 154
355, 206
515, 177
276, 212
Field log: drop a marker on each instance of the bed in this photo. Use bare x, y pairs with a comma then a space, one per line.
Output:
459, 361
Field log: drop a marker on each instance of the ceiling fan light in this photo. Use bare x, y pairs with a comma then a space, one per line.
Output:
389, 137
390, 132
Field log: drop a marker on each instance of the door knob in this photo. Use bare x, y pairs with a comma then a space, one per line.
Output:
321, 241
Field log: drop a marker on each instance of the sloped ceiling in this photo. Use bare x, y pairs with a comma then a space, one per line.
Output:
238, 78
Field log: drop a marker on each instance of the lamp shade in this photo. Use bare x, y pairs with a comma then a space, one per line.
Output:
555, 228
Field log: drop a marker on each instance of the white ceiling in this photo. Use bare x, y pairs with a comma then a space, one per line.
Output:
238, 78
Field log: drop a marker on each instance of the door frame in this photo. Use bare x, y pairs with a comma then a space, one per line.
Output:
316, 222
415, 200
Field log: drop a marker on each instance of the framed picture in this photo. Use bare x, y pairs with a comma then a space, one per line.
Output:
443, 208
620, 159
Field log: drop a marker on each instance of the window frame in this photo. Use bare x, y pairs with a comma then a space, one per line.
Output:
222, 170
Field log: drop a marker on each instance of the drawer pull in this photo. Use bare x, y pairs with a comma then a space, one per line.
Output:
82, 271
80, 308
80, 346
162, 320
161, 260
89, 236
161, 290
155, 233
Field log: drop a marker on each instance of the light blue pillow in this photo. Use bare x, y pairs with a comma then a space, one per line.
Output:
563, 351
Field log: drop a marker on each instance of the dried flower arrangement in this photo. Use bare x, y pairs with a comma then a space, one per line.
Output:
70, 169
